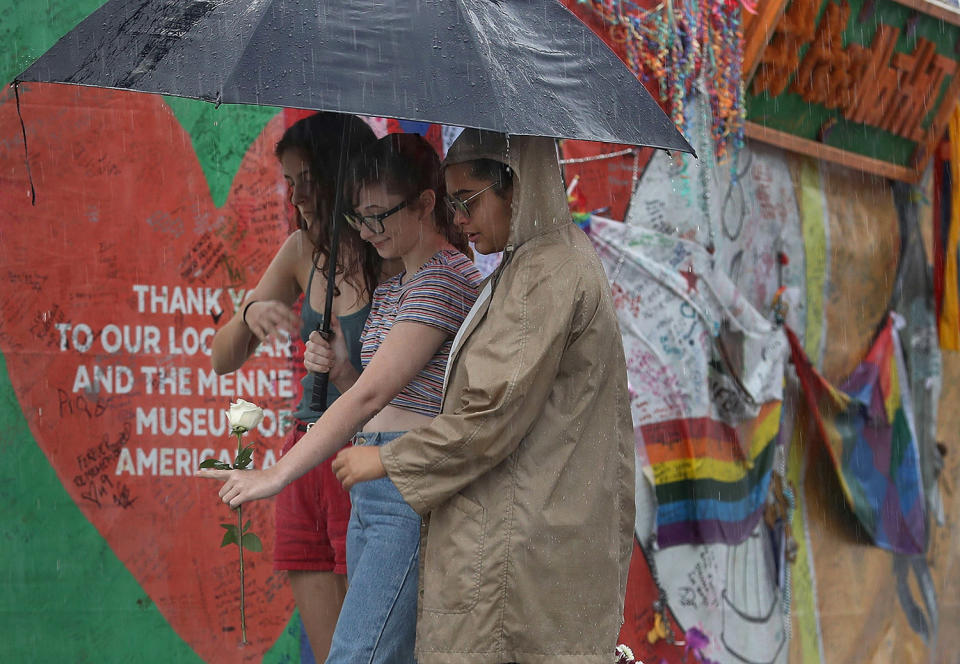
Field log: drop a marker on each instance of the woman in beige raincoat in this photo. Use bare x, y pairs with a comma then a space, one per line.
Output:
525, 481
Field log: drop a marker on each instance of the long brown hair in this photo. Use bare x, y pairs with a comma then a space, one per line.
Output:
320, 135
407, 164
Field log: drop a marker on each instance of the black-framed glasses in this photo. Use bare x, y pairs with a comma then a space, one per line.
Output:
463, 206
373, 222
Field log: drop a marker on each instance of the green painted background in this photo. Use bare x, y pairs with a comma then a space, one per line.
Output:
790, 113
66, 597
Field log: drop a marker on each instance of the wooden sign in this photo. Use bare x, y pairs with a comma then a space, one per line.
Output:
866, 83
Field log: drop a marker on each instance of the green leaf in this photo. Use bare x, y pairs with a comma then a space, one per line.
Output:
251, 542
215, 464
229, 526
246, 526
244, 457
229, 537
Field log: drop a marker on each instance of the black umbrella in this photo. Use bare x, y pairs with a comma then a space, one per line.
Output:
523, 67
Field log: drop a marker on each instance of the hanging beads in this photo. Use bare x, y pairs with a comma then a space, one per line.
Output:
678, 43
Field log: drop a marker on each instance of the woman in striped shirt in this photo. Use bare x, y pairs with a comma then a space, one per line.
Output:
397, 192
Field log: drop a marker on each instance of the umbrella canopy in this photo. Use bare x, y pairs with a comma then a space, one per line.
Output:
523, 67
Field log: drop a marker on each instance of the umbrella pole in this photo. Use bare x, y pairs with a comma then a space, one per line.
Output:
318, 399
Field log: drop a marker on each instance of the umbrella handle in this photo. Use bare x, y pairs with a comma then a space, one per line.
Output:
318, 400
321, 381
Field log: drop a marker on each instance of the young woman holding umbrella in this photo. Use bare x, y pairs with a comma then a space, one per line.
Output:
527, 475
312, 513
396, 194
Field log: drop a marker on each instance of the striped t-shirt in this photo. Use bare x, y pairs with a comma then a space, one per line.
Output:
439, 294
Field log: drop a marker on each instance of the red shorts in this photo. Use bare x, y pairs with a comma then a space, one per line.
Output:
312, 514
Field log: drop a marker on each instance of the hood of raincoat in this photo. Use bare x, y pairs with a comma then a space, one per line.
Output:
539, 199
525, 481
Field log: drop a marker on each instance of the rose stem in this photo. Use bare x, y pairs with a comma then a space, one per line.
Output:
243, 620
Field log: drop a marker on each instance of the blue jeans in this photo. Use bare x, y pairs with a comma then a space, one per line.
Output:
379, 616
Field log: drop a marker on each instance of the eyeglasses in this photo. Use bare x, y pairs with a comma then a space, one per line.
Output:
373, 222
463, 206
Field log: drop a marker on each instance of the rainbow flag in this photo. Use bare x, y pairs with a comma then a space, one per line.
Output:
711, 478
866, 427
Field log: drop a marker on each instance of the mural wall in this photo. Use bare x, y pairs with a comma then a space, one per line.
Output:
114, 283
151, 217
819, 248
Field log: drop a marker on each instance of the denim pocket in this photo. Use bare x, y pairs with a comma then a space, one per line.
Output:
453, 559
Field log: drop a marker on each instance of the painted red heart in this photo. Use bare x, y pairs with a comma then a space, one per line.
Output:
122, 201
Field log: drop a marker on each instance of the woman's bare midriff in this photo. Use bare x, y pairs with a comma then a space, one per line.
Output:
392, 418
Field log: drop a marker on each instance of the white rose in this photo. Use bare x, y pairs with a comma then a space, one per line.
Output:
243, 416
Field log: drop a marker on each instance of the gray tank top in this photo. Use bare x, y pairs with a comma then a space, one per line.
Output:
352, 327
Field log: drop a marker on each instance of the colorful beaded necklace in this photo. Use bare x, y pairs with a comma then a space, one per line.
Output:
680, 43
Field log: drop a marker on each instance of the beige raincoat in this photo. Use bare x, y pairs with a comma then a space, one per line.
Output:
526, 478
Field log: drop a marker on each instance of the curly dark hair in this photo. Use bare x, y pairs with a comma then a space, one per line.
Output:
320, 136
408, 165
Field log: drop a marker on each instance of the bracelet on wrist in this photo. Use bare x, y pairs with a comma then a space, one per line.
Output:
243, 316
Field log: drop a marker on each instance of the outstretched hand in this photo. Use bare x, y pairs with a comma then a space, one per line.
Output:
242, 486
358, 464
271, 320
